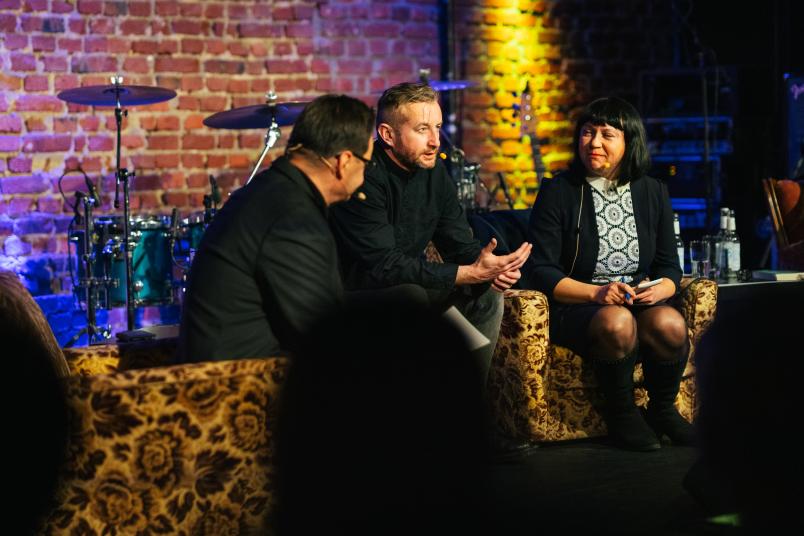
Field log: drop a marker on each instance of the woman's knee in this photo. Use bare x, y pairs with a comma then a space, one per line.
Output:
613, 332
665, 329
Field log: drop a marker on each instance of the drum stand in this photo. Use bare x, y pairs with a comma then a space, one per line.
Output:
89, 282
116, 95
465, 175
271, 137
121, 177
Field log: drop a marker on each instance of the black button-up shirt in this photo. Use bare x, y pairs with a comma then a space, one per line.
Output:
381, 240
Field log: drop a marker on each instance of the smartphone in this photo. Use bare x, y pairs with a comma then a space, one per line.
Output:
648, 284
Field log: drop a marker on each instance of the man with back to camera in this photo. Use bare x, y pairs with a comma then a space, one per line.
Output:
411, 200
267, 269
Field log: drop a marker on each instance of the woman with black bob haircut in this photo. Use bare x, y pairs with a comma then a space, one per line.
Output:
597, 231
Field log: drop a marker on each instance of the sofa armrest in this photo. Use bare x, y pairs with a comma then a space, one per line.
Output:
697, 301
517, 375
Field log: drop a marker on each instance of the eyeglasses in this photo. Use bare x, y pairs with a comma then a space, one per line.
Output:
370, 164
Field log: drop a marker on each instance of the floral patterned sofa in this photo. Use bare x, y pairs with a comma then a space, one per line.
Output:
545, 392
114, 356
189, 448
172, 450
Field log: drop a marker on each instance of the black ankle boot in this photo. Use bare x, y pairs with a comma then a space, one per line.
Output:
662, 381
624, 421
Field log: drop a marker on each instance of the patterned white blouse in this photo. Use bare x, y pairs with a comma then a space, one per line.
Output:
618, 255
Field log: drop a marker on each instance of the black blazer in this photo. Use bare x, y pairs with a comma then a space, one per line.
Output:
265, 273
554, 229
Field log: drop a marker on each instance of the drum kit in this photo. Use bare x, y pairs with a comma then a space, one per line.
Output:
126, 260
129, 261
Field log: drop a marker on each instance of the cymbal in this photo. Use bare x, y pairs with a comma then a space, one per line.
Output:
257, 116
107, 95
450, 85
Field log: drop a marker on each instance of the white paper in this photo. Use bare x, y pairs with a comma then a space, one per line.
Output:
474, 338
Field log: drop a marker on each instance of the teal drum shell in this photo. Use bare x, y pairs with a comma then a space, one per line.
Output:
151, 263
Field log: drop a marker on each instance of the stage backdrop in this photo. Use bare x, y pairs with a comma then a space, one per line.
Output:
219, 55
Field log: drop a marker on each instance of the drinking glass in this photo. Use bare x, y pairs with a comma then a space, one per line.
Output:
700, 257
714, 262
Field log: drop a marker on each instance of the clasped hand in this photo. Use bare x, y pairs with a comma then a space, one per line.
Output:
618, 293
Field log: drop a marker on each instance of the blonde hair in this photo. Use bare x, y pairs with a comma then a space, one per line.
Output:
399, 95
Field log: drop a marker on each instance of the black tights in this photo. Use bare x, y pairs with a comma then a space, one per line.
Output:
660, 330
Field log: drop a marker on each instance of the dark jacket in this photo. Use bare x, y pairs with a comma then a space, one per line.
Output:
265, 272
553, 229
381, 240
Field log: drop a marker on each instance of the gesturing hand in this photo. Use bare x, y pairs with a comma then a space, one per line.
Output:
488, 266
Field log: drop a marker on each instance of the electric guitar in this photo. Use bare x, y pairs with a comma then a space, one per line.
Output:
528, 125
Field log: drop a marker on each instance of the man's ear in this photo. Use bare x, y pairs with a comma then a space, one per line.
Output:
340, 163
386, 133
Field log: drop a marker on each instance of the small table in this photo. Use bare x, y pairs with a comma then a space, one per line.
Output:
742, 294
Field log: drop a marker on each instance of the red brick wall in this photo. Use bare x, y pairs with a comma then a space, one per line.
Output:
215, 55
222, 54
570, 51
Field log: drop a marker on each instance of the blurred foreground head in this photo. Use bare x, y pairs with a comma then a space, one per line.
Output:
381, 427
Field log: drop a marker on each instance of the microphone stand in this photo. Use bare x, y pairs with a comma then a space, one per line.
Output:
271, 137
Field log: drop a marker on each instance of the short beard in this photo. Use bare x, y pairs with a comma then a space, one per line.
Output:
412, 164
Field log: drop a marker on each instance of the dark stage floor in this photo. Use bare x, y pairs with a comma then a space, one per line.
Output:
590, 486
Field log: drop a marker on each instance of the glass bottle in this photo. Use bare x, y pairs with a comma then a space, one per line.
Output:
679, 242
719, 264
732, 246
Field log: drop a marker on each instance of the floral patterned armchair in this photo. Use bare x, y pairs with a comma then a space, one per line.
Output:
544, 392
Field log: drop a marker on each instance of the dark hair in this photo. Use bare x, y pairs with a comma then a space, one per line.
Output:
333, 123
623, 116
399, 95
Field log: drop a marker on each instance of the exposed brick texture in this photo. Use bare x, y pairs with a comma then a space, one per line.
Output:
215, 55
224, 54
569, 51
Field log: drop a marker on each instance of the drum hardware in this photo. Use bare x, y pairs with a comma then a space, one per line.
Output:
464, 174
272, 115
211, 201
89, 283
174, 236
118, 95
